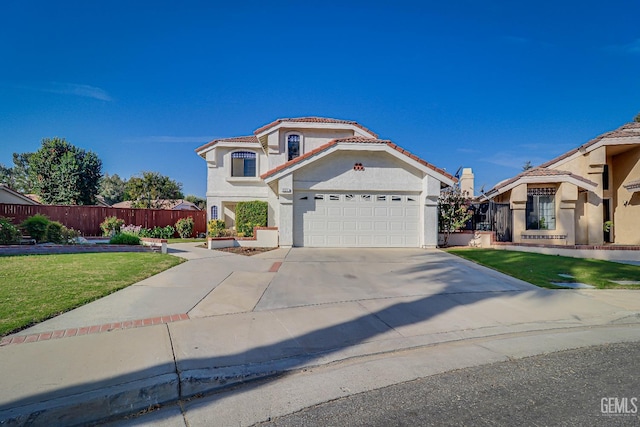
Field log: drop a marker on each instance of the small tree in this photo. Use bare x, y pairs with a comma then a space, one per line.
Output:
453, 212
184, 227
249, 215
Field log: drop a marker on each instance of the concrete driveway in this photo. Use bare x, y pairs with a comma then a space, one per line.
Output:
292, 310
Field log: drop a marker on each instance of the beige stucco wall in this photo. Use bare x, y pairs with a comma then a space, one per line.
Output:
626, 219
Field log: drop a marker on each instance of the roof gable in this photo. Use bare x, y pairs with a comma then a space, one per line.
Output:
541, 175
299, 161
234, 140
307, 120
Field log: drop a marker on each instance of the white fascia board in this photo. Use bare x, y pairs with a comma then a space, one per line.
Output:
362, 146
316, 125
544, 180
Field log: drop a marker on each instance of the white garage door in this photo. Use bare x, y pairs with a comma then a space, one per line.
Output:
355, 220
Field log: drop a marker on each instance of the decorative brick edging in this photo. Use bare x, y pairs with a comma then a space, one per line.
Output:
275, 267
86, 330
68, 249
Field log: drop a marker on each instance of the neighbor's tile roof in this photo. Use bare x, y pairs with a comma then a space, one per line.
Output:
355, 139
539, 171
313, 120
248, 139
628, 130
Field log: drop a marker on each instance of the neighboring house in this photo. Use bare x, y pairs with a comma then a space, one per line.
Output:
9, 196
328, 183
172, 205
568, 200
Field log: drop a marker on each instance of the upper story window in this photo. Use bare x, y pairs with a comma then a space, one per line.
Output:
541, 209
243, 163
293, 146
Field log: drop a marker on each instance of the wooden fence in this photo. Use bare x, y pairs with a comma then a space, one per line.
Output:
87, 219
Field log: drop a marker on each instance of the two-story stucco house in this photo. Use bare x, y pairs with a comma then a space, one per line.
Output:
568, 200
328, 183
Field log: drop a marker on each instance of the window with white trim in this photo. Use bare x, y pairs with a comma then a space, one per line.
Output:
243, 163
214, 212
541, 208
293, 146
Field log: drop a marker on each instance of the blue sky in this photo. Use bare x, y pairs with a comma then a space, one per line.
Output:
487, 85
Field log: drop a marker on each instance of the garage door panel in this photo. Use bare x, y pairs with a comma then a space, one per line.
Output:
356, 220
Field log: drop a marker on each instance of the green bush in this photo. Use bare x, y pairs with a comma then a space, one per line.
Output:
111, 226
69, 235
249, 215
36, 227
125, 239
216, 228
184, 227
9, 233
54, 232
158, 232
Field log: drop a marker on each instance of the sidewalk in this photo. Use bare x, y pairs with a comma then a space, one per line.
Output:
226, 338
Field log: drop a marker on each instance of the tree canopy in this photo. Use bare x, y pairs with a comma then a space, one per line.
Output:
63, 174
453, 212
145, 191
112, 188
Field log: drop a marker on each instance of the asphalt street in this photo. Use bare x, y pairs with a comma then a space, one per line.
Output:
593, 386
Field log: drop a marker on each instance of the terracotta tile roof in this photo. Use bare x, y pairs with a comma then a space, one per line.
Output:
539, 171
351, 140
247, 139
168, 204
313, 120
628, 130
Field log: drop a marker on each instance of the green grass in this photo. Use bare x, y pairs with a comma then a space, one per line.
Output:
177, 240
541, 270
34, 288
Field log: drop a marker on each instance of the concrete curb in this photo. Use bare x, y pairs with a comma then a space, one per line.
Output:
134, 396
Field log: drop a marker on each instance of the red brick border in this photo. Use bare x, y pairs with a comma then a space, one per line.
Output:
275, 267
95, 329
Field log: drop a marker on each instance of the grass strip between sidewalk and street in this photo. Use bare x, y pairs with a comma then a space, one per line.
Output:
34, 288
541, 270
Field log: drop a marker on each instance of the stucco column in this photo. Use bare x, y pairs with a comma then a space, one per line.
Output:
285, 199
431, 192
568, 195
518, 204
594, 210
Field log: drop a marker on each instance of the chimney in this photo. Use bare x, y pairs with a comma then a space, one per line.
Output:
466, 182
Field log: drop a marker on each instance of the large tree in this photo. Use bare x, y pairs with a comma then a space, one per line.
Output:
64, 174
112, 188
18, 177
147, 190
198, 201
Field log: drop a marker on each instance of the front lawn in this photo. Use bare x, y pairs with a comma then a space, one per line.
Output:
34, 288
541, 270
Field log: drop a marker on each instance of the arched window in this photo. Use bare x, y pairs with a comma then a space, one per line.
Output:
214, 212
243, 163
293, 146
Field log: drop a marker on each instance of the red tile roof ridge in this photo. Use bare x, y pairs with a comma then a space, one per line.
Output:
627, 130
312, 119
356, 139
540, 171
247, 139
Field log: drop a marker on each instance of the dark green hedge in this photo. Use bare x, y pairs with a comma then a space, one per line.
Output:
251, 214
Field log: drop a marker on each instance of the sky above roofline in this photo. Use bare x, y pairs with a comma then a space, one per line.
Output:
487, 85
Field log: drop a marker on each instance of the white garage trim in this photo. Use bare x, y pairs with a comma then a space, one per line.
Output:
356, 219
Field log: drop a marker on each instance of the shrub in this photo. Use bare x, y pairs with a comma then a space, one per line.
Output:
216, 228
125, 239
251, 214
184, 227
111, 225
132, 229
9, 233
36, 227
69, 235
54, 232
158, 232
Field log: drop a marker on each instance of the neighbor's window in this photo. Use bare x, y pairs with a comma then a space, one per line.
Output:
541, 209
293, 146
243, 163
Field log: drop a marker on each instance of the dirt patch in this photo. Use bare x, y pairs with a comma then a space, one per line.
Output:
245, 251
